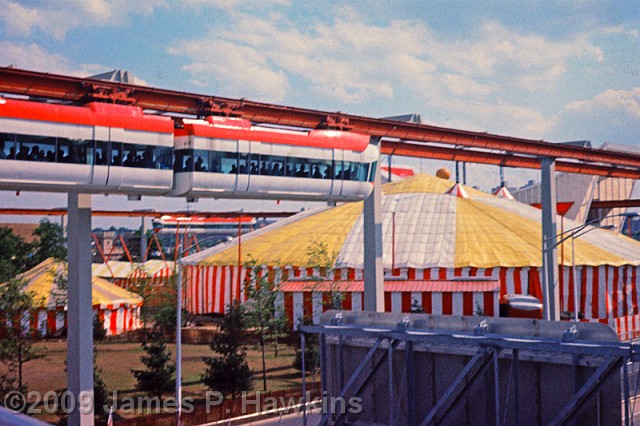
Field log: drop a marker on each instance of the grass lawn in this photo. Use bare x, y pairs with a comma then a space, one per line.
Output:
117, 359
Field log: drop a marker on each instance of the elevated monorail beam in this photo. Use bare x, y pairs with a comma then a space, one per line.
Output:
612, 204
112, 213
501, 159
31, 83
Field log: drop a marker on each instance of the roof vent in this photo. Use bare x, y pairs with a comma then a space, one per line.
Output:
458, 190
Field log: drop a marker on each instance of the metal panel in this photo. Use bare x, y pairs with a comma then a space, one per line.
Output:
471, 370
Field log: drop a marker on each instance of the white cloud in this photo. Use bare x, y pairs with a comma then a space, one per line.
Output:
237, 70
622, 102
56, 18
35, 58
621, 29
351, 61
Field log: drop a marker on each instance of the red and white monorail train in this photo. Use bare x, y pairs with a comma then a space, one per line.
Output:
98, 147
205, 224
108, 148
228, 157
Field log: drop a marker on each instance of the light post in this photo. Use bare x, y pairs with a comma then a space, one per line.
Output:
574, 233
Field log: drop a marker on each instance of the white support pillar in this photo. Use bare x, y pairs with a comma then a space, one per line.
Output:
551, 305
373, 266
79, 312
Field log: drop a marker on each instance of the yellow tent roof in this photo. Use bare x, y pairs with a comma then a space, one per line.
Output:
43, 279
422, 227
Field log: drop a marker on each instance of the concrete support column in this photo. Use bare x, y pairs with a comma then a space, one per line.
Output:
79, 312
373, 267
551, 310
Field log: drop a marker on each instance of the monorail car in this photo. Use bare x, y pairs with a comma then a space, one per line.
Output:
96, 148
230, 158
195, 224
109, 148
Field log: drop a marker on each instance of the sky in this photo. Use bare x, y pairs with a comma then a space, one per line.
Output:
549, 70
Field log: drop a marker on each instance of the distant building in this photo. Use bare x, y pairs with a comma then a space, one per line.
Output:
582, 190
22, 230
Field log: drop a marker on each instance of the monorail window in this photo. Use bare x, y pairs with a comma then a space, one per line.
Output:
183, 161
244, 161
73, 151
201, 163
300, 167
224, 162
7, 146
351, 170
372, 171
359, 172
271, 165
321, 169
101, 150
116, 154
164, 157
35, 148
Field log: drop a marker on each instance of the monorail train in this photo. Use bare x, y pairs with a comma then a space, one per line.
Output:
98, 147
170, 224
108, 148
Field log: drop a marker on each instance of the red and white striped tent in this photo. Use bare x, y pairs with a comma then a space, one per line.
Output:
304, 299
118, 309
124, 274
432, 230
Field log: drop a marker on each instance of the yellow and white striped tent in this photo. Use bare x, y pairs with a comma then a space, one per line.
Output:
118, 308
432, 230
123, 273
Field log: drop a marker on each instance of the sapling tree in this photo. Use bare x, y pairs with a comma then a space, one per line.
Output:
158, 376
17, 333
228, 372
264, 318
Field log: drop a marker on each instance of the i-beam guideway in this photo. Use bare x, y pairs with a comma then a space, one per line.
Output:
396, 138
418, 369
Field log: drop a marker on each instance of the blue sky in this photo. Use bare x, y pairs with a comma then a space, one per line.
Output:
552, 70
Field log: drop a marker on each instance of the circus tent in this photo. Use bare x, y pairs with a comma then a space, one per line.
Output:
119, 309
432, 230
124, 274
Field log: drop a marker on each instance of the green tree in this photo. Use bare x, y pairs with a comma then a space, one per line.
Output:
311, 351
50, 242
264, 318
322, 258
157, 379
17, 335
100, 391
100, 395
99, 332
142, 286
14, 254
229, 372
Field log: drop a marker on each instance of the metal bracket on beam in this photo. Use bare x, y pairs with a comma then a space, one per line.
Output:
336, 122
404, 323
570, 335
337, 319
114, 94
481, 329
211, 106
